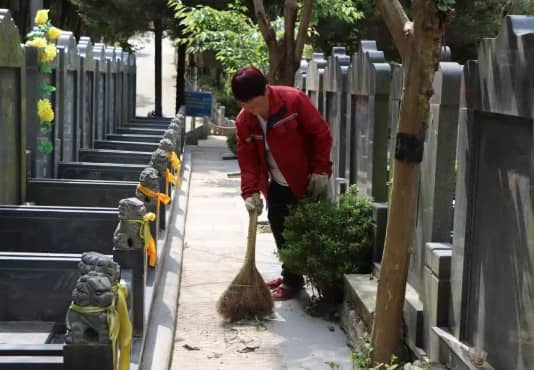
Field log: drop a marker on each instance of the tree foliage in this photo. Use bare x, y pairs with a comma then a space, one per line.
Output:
117, 20
245, 33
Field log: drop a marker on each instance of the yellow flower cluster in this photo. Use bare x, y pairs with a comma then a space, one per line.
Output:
41, 17
53, 33
49, 53
45, 111
38, 42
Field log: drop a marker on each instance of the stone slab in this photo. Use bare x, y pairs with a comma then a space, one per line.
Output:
25, 332
134, 137
114, 156
100, 171
126, 145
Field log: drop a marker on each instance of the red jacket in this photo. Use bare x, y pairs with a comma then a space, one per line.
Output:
298, 137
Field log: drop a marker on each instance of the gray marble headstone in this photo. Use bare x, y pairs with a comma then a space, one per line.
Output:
335, 103
70, 103
492, 260
101, 70
314, 80
87, 92
111, 90
370, 80
300, 75
437, 175
12, 113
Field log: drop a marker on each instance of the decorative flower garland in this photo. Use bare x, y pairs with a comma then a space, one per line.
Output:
43, 37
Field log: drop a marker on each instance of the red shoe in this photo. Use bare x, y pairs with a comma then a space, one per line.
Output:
274, 283
284, 292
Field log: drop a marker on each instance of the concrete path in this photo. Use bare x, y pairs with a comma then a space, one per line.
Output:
145, 101
214, 247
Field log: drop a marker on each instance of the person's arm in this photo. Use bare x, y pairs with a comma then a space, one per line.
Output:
247, 157
316, 128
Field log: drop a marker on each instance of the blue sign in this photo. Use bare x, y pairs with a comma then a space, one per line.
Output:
198, 104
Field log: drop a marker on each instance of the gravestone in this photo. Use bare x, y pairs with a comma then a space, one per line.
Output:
12, 114
300, 75
492, 260
101, 71
69, 108
111, 89
437, 178
87, 92
335, 103
370, 81
119, 78
314, 80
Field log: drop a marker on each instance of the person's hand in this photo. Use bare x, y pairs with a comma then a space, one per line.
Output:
317, 185
254, 202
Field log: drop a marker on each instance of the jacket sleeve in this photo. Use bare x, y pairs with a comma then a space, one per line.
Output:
317, 129
247, 157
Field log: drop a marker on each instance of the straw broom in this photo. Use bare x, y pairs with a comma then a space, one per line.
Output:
247, 297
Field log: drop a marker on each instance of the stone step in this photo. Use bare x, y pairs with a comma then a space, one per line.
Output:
360, 297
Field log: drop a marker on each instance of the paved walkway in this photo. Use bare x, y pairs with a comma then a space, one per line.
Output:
214, 247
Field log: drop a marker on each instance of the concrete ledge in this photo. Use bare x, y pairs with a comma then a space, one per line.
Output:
455, 354
157, 351
360, 296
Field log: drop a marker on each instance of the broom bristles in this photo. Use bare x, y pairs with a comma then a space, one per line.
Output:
247, 297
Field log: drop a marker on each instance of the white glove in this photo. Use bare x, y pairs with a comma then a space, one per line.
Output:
251, 204
317, 185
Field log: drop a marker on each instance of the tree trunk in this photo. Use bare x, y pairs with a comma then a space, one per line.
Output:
158, 38
282, 67
420, 51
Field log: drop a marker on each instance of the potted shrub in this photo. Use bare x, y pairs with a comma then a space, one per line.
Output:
326, 240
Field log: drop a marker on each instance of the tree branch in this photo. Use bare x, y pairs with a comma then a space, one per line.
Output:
305, 18
264, 24
397, 22
290, 17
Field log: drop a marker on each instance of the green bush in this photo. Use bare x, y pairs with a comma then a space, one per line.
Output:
231, 141
325, 240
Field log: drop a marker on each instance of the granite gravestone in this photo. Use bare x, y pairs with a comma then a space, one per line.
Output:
370, 79
87, 92
68, 113
12, 114
492, 260
335, 104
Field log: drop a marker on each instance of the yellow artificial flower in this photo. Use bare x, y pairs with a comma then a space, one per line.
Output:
49, 53
38, 42
53, 33
41, 17
45, 111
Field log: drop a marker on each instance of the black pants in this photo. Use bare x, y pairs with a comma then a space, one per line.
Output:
279, 198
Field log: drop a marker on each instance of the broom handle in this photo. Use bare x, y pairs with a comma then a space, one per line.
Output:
252, 229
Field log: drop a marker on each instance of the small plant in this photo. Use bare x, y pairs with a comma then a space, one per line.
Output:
325, 240
363, 360
231, 142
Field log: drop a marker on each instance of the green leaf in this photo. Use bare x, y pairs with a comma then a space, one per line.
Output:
45, 146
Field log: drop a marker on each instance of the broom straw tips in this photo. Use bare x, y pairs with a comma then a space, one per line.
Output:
247, 297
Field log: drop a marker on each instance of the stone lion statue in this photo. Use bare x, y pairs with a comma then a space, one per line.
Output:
166, 145
94, 261
93, 293
159, 161
149, 178
172, 137
126, 234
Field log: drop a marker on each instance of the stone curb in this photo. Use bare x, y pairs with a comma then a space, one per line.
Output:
159, 342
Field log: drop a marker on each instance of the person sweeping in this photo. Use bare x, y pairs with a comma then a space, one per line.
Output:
283, 150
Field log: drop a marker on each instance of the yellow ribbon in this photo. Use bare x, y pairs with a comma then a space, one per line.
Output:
163, 198
146, 235
173, 158
119, 325
169, 178
125, 327
175, 164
